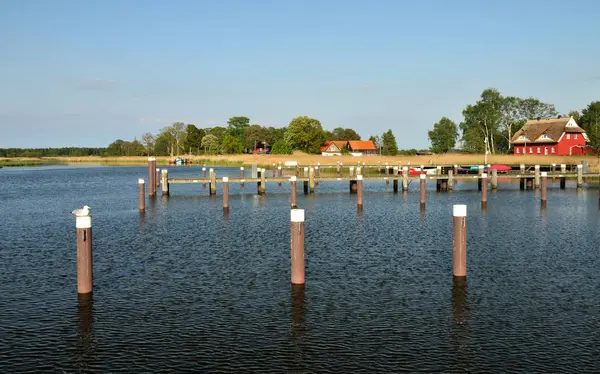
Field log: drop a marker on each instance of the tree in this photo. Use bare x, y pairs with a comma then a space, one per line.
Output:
148, 140
590, 122
273, 134
115, 148
231, 145
217, 131
389, 146
176, 136
533, 108
236, 127
443, 136
377, 141
306, 134
340, 133
480, 127
254, 134
281, 147
210, 143
193, 138
575, 114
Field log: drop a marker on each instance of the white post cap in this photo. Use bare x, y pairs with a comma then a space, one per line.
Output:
164, 171
83, 222
293, 178
306, 168
225, 179
422, 166
480, 167
544, 174
297, 215
364, 164
483, 175
241, 168
423, 176
359, 177
151, 158
279, 167
316, 168
141, 181
537, 167
553, 164
579, 166
459, 210
157, 169
351, 167
203, 169
211, 170
395, 168
405, 168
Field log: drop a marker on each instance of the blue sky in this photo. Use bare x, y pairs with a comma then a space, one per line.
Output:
84, 73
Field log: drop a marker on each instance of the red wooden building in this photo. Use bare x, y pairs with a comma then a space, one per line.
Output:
551, 136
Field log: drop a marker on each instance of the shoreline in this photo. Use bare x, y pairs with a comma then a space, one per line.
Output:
307, 159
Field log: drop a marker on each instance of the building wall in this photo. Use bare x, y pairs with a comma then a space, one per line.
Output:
566, 146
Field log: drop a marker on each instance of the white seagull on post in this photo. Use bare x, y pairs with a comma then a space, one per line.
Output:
85, 211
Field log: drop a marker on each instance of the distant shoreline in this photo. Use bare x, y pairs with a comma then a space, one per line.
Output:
307, 159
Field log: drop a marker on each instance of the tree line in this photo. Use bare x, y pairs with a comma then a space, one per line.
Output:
240, 136
52, 152
489, 124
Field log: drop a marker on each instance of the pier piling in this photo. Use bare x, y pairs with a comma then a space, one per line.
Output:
459, 256
405, 179
423, 192
142, 195
537, 177
483, 190
359, 192
297, 244
157, 180
164, 180
579, 176
84, 253
151, 176
544, 188
450, 179
293, 191
225, 195
213, 182
242, 176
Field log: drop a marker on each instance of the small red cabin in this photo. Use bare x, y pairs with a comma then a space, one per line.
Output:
551, 136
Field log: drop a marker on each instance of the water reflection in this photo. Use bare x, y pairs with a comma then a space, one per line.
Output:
85, 347
298, 326
460, 329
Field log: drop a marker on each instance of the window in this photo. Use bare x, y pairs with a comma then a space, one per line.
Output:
553, 150
530, 149
539, 150
575, 136
568, 136
518, 149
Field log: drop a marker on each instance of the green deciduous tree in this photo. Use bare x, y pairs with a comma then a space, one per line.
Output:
281, 147
481, 124
148, 140
236, 127
340, 133
218, 131
254, 135
590, 122
389, 146
231, 145
273, 134
193, 139
306, 134
210, 143
443, 136
576, 115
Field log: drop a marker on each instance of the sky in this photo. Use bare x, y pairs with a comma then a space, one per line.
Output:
85, 73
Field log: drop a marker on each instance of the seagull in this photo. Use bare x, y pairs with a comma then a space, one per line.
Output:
85, 211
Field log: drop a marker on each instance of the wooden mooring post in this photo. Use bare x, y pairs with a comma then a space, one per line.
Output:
83, 224
164, 181
483, 190
157, 179
213, 182
242, 175
293, 192
450, 179
297, 244
459, 255
544, 188
423, 192
225, 195
151, 176
579, 176
405, 179
203, 176
141, 195
359, 192
494, 179
537, 176
262, 184
311, 180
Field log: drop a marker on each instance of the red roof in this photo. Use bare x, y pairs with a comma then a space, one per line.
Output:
362, 145
341, 144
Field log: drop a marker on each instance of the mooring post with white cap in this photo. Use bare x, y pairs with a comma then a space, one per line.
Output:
522, 168
459, 257
479, 172
544, 188
83, 223
297, 241
359, 192
203, 175
151, 176
423, 193
242, 176
225, 194
213, 182
263, 182
395, 178
579, 176
494, 179
537, 176
405, 179
142, 195
165, 182
305, 171
311, 180
450, 179
279, 173
157, 179
483, 190
293, 191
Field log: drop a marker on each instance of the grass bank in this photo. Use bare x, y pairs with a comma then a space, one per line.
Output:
307, 159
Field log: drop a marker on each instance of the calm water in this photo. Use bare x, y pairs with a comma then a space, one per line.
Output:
183, 288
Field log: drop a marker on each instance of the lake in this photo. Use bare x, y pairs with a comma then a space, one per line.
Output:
185, 288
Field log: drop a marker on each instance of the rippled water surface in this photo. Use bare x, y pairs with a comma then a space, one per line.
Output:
184, 288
